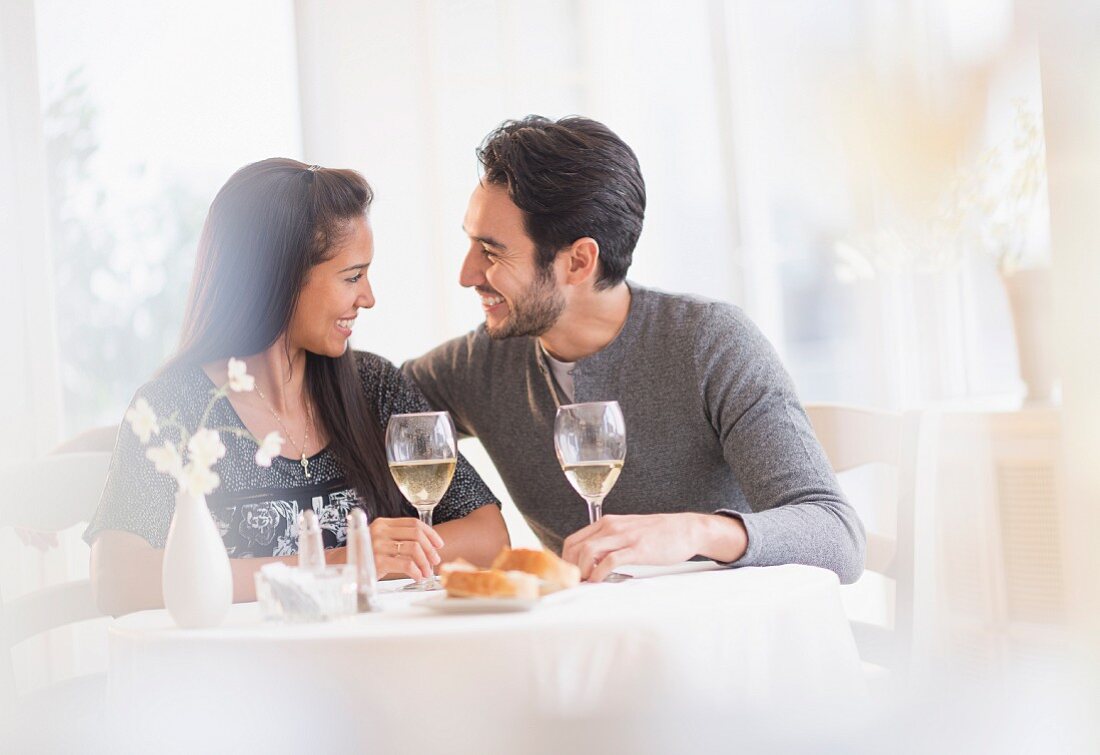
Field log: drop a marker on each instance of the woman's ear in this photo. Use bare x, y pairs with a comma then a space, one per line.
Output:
582, 260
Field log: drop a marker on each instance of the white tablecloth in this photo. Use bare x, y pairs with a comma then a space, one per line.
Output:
634, 663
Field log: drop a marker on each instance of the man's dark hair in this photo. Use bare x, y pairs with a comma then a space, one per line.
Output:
572, 178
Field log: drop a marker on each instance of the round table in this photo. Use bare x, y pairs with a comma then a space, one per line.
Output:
632, 663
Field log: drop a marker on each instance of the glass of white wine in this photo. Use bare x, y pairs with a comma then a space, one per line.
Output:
420, 449
590, 440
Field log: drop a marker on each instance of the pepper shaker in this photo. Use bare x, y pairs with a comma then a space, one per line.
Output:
361, 556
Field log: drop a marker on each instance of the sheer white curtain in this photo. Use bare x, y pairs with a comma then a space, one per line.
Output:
29, 382
29, 386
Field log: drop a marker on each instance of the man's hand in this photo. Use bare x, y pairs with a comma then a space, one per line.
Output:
614, 541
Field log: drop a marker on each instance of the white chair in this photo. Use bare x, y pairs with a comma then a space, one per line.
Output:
854, 437
49, 494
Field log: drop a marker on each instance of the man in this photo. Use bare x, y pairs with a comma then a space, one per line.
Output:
721, 460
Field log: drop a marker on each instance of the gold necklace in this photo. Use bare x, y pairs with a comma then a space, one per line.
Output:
305, 441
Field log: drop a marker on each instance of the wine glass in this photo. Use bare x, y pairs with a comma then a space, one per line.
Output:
590, 440
420, 449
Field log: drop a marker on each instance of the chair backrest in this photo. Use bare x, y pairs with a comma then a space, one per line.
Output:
854, 437
49, 494
100, 438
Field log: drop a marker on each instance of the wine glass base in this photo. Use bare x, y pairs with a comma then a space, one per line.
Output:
424, 585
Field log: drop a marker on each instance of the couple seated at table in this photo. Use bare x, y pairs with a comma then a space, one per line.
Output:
722, 464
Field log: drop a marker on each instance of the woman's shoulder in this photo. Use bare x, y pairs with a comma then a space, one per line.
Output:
182, 389
386, 385
374, 371
367, 361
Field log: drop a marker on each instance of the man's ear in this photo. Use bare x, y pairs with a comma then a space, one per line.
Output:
582, 261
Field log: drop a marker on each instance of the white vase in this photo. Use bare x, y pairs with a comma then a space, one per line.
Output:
197, 581
1031, 299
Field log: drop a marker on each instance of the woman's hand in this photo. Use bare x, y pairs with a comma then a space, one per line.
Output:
405, 546
43, 541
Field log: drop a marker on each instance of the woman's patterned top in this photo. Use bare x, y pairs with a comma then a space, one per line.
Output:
256, 508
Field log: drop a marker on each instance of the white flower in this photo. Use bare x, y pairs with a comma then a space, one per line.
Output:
142, 419
167, 459
269, 448
205, 448
197, 479
239, 379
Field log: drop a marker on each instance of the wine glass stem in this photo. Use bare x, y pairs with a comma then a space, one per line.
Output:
426, 518
595, 509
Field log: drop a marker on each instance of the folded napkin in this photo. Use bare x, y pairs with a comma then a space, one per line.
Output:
644, 571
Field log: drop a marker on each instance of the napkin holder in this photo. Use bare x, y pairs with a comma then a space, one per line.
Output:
297, 595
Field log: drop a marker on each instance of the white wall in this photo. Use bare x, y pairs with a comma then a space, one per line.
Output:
1071, 70
404, 92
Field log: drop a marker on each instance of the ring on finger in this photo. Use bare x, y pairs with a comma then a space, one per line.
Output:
397, 548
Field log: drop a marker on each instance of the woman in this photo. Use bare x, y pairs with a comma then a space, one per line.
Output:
280, 277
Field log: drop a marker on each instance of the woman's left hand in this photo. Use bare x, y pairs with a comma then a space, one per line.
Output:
405, 546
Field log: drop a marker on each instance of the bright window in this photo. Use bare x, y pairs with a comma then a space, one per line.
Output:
148, 108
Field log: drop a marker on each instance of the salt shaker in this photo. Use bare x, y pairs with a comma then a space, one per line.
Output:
311, 549
361, 557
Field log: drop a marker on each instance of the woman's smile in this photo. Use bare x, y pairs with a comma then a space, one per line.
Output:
345, 326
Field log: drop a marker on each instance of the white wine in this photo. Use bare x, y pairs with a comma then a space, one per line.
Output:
423, 483
593, 479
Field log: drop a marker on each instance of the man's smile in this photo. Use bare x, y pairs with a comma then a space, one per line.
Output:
489, 300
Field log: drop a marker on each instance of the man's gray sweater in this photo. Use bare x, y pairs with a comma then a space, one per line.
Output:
712, 420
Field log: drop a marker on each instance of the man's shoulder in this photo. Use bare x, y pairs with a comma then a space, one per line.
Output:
465, 374
703, 330
675, 311
473, 350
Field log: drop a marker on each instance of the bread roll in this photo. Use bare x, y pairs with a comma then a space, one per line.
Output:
489, 583
459, 564
554, 573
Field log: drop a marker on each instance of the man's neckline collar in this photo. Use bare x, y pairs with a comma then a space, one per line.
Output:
617, 344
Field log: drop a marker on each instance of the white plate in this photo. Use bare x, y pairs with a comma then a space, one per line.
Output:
447, 604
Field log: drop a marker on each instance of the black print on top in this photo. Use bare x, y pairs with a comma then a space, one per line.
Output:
256, 508
263, 523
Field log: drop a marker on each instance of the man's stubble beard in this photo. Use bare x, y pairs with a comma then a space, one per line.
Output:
534, 312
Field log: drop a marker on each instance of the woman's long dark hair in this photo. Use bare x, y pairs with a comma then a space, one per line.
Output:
266, 229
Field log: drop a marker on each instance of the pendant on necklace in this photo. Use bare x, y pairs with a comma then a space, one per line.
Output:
305, 465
